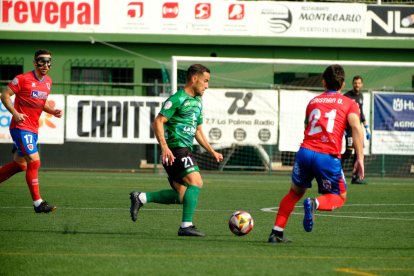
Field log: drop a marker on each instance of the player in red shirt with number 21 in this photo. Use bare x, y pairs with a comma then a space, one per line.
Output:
319, 155
31, 90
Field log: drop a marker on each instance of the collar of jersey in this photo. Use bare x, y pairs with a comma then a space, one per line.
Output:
34, 74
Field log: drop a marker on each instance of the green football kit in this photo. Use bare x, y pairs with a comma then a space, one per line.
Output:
184, 114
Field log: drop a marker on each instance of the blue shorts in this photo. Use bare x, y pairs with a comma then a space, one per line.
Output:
25, 142
326, 168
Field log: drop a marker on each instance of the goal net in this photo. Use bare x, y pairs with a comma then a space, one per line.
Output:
254, 109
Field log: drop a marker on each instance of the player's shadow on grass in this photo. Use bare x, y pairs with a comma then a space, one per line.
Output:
71, 230
147, 235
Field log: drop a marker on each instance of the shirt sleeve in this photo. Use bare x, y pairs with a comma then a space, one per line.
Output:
354, 108
169, 107
16, 84
200, 119
362, 109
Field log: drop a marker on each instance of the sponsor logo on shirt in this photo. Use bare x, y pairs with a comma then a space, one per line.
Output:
189, 130
15, 81
39, 94
167, 105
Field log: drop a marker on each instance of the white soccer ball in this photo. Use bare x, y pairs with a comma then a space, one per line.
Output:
240, 223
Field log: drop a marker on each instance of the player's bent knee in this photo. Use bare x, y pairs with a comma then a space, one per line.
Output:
199, 185
34, 164
194, 179
22, 167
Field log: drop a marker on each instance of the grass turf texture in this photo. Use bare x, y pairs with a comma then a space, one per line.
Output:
91, 231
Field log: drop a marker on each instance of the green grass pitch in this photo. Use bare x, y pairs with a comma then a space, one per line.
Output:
91, 232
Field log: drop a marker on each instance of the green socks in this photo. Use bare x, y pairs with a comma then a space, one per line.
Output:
164, 197
190, 202
172, 197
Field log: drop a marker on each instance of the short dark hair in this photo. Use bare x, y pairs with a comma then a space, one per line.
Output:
196, 69
357, 77
42, 52
334, 77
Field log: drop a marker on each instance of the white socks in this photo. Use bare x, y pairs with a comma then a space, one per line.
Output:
277, 228
186, 224
36, 203
143, 198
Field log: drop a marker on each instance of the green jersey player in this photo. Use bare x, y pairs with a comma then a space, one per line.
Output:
184, 115
175, 127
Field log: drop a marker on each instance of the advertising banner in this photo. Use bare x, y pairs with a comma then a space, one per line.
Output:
193, 17
51, 129
308, 19
230, 116
111, 119
393, 131
292, 118
241, 116
390, 21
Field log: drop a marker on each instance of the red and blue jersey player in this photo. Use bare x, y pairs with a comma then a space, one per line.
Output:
319, 156
31, 91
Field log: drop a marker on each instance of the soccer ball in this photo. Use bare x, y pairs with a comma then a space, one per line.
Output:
241, 223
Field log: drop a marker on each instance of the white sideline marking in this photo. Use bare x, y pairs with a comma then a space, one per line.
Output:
357, 217
115, 209
379, 204
339, 214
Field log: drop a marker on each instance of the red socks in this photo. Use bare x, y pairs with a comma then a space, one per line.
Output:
329, 202
32, 179
32, 170
286, 207
10, 169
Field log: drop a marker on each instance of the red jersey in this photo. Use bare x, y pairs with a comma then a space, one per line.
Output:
31, 95
327, 120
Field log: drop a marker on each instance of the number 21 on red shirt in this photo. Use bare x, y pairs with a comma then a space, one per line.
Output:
314, 118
